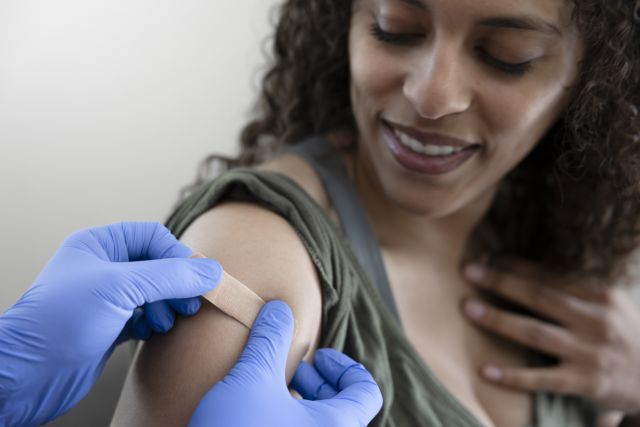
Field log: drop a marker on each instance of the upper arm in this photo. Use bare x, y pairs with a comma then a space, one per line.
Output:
173, 371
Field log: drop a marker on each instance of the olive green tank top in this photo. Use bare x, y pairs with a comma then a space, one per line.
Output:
355, 319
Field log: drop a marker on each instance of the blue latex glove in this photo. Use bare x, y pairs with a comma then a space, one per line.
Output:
55, 340
255, 393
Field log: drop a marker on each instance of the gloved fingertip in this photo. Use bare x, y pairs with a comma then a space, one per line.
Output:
185, 306
276, 313
331, 354
306, 381
332, 364
321, 355
302, 371
168, 323
303, 366
270, 337
193, 307
209, 269
162, 324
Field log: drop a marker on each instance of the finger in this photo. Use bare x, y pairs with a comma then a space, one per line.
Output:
140, 327
533, 293
556, 380
585, 288
265, 354
136, 328
150, 281
185, 306
333, 365
150, 240
130, 241
533, 333
127, 332
358, 392
159, 316
310, 384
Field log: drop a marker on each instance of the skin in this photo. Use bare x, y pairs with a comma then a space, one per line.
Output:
592, 334
173, 371
439, 83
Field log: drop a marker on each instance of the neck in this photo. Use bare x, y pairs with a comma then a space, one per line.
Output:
444, 240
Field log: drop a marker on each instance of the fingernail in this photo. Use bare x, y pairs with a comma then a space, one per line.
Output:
492, 373
475, 309
475, 272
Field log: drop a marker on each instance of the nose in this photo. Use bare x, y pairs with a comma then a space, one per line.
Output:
437, 85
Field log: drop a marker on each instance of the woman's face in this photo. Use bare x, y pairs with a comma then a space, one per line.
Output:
449, 95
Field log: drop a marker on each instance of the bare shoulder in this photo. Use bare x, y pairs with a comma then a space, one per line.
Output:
300, 172
173, 371
258, 247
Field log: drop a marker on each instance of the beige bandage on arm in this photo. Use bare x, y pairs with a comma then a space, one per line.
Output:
236, 300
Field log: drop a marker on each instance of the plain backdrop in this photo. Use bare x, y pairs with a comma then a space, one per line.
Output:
106, 109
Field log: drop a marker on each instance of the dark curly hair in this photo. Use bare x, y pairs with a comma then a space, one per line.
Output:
571, 205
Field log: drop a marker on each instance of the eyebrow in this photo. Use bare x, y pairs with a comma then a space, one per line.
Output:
528, 23
416, 3
520, 23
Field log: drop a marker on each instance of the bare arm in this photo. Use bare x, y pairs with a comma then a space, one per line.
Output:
173, 371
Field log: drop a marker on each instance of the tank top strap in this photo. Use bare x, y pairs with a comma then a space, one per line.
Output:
326, 162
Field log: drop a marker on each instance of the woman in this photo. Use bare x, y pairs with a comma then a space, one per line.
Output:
499, 132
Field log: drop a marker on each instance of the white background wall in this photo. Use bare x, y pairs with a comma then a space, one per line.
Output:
106, 108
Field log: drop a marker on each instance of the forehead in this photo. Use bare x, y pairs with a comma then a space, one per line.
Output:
557, 12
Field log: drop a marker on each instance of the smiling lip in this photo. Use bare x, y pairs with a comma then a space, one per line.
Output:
422, 163
429, 138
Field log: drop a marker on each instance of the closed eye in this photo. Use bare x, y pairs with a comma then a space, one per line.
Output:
410, 39
506, 67
395, 38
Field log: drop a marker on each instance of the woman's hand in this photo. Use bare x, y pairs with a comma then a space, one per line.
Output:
594, 333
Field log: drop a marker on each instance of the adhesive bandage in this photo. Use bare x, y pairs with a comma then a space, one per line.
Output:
236, 300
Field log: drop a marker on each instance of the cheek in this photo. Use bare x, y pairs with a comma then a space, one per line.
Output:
374, 77
517, 118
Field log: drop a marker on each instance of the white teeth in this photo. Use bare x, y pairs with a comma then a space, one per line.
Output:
415, 145
429, 150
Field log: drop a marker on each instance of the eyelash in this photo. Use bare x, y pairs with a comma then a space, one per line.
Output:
408, 39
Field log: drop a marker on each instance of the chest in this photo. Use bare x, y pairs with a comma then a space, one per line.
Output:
428, 300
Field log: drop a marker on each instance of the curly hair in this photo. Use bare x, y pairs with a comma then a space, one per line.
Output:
572, 204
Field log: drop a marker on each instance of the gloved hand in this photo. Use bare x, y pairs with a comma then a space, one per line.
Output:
255, 393
55, 340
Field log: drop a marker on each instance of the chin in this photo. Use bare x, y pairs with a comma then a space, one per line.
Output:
425, 203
